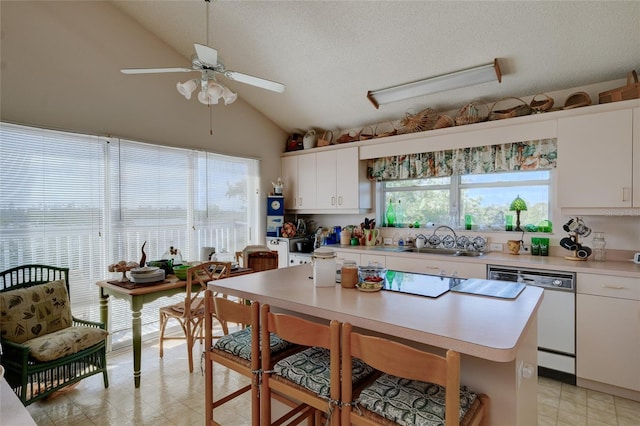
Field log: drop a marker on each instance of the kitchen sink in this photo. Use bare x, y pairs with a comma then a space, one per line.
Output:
448, 252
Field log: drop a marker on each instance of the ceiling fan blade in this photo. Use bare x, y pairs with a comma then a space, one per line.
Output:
206, 54
154, 70
255, 81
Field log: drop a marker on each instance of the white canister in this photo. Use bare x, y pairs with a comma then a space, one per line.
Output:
324, 267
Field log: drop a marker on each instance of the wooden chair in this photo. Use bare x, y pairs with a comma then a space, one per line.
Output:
311, 376
236, 351
62, 350
422, 376
262, 260
190, 312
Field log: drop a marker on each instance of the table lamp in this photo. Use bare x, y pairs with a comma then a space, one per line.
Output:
518, 205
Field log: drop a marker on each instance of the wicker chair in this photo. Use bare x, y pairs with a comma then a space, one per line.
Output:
190, 312
262, 260
29, 372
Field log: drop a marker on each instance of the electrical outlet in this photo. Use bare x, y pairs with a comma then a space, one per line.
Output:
496, 247
387, 241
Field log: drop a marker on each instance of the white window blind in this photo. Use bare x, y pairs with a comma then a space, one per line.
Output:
86, 202
52, 207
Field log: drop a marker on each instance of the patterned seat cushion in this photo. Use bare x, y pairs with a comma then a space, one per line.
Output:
311, 369
34, 311
239, 343
410, 402
64, 342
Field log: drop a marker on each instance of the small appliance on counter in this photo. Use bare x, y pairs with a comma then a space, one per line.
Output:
576, 229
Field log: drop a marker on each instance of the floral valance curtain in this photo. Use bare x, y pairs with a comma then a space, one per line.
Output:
538, 154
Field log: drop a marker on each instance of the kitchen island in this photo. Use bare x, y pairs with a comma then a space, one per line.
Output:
497, 338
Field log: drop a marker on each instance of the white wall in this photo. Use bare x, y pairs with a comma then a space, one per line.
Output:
60, 69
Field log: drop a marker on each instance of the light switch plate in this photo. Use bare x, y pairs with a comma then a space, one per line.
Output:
496, 247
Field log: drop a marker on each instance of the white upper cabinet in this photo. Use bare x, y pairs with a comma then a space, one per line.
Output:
339, 183
299, 178
595, 160
342, 183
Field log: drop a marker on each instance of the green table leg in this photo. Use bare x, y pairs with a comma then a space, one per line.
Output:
136, 323
104, 311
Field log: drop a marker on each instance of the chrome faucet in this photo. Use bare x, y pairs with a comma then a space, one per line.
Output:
455, 236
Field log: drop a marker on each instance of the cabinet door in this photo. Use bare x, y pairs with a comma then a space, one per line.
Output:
347, 255
326, 179
348, 180
636, 157
306, 182
434, 266
595, 160
608, 340
290, 180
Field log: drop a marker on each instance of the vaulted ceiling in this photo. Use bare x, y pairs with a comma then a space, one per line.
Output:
329, 54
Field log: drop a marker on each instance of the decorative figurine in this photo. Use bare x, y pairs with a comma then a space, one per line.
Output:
143, 259
277, 186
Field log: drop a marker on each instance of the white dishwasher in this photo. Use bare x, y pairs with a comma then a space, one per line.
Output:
556, 317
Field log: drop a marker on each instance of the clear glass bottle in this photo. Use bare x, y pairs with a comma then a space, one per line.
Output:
599, 244
391, 214
399, 215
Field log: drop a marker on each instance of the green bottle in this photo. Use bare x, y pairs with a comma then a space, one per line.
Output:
391, 214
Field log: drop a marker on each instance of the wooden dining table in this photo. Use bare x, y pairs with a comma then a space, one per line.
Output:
137, 295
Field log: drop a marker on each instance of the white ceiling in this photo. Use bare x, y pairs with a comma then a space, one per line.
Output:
329, 54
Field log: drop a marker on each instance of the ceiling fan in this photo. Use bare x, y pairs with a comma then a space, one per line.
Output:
206, 62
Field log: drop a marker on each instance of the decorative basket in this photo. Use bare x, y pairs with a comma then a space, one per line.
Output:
470, 114
443, 121
353, 136
630, 91
326, 139
577, 100
515, 111
362, 136
378, 133
541, 105
294, 142
419, 122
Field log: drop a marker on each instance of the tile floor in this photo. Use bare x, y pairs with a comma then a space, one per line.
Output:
169, 395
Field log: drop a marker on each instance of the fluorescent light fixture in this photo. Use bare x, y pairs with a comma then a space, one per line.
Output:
467, 77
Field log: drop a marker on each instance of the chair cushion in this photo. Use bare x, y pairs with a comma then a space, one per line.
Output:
239, 343
64, 342
311, 369
410, 402
34, 311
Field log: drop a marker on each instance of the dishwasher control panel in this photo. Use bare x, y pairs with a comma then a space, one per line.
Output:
539, 277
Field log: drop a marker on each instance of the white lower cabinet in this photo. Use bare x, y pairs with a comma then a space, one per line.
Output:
436, 267
361, 259
608, 330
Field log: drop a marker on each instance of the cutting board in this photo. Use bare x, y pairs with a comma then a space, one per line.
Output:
492, 288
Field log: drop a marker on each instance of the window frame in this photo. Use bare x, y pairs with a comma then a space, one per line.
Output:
455, 188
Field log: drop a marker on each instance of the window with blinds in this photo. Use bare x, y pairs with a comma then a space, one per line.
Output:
86, 202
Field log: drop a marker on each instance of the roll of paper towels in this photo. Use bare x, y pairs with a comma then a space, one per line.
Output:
207, 253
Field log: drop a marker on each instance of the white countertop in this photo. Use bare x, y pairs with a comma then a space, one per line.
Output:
609, 267
484, 327
12, 412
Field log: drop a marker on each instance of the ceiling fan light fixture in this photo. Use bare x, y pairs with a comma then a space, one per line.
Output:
187, 88
228, 96
455, 80
207, 99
